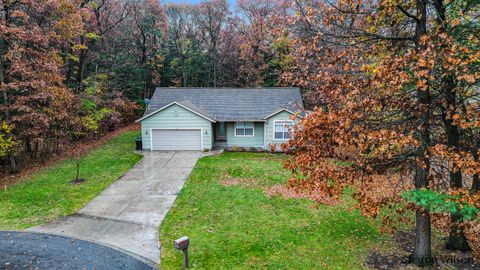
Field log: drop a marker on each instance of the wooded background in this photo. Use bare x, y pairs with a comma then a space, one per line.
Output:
392, 87
73, 70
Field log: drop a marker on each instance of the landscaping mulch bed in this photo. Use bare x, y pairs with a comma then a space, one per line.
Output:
398, 257
77, 181
246, 149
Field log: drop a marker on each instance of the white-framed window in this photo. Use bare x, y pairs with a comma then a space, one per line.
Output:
282, 130
244, 129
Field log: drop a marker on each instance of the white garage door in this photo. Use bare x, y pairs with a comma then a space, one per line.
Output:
176, 139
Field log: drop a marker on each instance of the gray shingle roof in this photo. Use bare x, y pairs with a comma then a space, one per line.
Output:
190, 105
229, 104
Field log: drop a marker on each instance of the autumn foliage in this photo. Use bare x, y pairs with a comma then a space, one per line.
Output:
394, 87
50, 94
73, 70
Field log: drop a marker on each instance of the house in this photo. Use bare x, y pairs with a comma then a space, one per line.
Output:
201, 118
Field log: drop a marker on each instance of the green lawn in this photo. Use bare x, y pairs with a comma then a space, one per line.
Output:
47, 194
238, 226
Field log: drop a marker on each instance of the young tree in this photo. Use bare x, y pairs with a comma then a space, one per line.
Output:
78, 156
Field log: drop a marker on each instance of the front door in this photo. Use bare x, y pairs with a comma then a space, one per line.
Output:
221, 131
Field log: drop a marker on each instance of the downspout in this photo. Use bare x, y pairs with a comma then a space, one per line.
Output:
265, 134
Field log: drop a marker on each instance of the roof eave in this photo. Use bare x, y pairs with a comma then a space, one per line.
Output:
279, 111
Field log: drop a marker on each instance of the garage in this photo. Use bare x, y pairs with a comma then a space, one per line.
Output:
176, 139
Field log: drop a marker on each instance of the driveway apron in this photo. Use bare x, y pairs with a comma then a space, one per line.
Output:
128, 213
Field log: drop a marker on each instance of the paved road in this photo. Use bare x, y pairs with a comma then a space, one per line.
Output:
128, 213
26, 250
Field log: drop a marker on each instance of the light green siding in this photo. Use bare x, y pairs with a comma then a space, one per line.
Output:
255, 141
176, 117
269, 128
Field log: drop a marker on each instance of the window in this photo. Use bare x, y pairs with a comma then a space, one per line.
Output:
244, 129
283, 130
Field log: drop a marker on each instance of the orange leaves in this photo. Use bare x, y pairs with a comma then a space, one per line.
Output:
469, 78
387, 100
291, 192
472, 232
456, 159
20, 14
455, 22
332, 153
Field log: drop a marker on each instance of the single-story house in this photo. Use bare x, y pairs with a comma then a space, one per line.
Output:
201, 118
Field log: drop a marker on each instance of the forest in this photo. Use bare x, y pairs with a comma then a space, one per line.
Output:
392, 89
72, 70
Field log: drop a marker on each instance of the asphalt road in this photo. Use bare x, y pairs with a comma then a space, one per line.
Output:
24, 250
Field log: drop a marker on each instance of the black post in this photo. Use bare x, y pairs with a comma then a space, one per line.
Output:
185, 258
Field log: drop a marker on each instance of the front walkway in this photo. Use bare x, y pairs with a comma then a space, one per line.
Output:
128, 213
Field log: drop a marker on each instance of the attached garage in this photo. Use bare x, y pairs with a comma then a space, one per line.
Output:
176, 139
177, 126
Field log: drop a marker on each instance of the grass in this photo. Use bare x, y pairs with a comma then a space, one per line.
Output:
47, 194
238, 227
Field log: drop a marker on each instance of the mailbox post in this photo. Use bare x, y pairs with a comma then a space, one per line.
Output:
182, 244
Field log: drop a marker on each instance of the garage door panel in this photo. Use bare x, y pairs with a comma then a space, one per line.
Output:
165, 139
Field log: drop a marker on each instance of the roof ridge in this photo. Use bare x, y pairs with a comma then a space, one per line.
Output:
191, 101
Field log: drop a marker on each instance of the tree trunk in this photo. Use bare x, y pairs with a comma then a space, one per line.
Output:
13, 163
81, 67
57, 143
422, 253
475, 178
456, 239
78, 172
214, 64
476, 183
35, 149
28, 147
70, 67
82, 59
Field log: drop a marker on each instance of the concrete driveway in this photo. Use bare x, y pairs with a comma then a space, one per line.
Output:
127, 214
